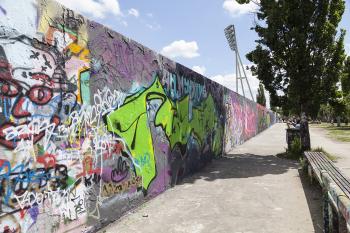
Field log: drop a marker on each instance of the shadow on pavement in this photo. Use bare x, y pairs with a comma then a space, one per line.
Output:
313, 195
242, 166
249, 165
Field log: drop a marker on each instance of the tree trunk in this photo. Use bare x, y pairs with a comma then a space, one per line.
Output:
338, 121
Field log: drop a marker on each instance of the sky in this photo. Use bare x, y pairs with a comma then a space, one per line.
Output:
190, 32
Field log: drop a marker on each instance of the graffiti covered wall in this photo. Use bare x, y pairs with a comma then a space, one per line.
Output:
244, 119
92, 123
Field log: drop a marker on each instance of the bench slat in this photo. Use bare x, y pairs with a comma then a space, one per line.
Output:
337, 176
334, 170
322, 163
315, 166
319, 162
337, 188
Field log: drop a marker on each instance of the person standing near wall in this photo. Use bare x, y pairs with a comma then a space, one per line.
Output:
304, 133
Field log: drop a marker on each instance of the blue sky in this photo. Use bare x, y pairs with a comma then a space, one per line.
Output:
188, 31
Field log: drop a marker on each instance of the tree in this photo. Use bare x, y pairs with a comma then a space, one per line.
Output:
260, 97
299, 53
347, 109
326, 113
345, 86
345, 80
339, 106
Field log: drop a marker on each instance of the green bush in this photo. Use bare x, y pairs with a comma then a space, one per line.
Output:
295, 149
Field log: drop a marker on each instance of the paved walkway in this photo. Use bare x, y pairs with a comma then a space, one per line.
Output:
250, 190
341, 150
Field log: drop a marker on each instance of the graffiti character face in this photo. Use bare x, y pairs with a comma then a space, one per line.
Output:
31, 91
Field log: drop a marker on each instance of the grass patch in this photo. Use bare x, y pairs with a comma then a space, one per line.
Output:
328, 155
322, 125
341, 133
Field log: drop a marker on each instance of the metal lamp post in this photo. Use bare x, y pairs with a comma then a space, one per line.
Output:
230, 34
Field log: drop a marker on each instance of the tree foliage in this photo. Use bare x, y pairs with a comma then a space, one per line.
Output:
340, 105
299, 53
326, 113
260, 97
345, 84
345, 80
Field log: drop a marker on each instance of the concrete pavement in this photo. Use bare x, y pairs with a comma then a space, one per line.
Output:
249, 190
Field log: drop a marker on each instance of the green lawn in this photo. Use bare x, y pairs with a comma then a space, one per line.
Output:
341, 133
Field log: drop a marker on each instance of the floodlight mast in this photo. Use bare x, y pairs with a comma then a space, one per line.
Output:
230, 34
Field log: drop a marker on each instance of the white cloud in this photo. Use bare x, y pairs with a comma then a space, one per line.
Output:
134, 12
150, 15
199, 69
95, 8
153, 26
181, 48
17, 13
229, 81
235, 9
125, 24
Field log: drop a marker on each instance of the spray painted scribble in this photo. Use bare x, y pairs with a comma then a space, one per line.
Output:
93, 124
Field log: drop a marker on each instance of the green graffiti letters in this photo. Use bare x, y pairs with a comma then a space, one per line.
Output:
178, 120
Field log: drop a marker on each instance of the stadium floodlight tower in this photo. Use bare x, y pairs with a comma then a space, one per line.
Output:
230, 34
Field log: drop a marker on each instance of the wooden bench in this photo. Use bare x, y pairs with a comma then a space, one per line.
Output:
336, 191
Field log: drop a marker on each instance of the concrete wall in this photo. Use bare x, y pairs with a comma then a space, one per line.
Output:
244, 119
92, 123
